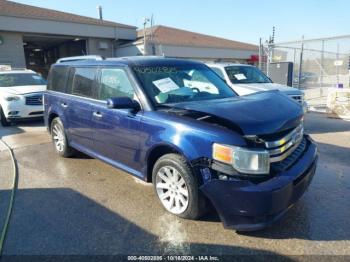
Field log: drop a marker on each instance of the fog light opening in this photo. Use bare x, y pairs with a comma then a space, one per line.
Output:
13, 113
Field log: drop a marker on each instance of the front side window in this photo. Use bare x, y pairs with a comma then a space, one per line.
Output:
246, 75
83, 82
115, 83
181, 83
21, 79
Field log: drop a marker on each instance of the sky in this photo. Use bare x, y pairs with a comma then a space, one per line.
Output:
238, 20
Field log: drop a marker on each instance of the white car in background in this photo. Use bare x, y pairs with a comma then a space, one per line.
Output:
21, 95
247, 79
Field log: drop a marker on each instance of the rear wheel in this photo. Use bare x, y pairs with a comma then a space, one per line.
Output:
4, 121
177, 187
59, 139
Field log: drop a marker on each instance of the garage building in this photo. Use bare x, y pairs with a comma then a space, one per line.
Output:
34, 37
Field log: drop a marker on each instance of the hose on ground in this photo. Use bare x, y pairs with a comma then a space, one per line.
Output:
12, 197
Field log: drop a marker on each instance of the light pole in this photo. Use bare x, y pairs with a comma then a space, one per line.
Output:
145, 21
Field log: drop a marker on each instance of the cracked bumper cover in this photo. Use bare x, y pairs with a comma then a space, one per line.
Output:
245, 206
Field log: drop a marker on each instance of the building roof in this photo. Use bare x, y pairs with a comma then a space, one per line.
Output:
8, 8
178, 37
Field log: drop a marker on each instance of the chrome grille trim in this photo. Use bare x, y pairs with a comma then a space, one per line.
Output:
285, 139
285, 154
282, 148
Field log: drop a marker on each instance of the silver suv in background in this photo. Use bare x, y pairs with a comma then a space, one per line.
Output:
247, 79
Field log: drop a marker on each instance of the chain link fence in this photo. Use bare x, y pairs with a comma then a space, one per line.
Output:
319, 65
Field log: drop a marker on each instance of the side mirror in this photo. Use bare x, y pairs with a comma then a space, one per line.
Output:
122, 103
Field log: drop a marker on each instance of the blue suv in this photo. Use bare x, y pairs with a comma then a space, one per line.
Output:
200, 145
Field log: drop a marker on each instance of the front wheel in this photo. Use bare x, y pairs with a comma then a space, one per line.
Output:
177, 187
59, 139
4, 121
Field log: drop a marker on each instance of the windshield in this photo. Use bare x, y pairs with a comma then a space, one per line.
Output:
20, 79
246, 75
185, 83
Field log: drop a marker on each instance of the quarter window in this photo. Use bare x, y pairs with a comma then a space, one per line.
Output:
83, 82
58, 78
115, 83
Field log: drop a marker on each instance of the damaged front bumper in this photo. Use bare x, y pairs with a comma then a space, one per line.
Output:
245, 206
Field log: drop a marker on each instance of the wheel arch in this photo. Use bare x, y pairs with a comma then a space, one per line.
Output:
51, 117
158, 151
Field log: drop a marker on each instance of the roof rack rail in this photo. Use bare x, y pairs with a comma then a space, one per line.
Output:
80, 58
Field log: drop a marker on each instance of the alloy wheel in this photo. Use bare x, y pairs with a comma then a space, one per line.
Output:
172, 190
58, 137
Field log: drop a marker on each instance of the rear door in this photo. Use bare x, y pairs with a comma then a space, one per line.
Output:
78, 107
116, 131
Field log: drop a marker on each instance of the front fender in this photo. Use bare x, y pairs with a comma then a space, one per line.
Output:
191, 138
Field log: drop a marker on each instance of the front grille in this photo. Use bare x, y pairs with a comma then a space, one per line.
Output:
34, 100
298, 98
283, 147
291, 159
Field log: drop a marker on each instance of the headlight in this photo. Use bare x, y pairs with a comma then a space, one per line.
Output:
244, 160
12, 98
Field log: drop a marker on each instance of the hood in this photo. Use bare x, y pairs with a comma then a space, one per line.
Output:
257, 87
21, 90
256, 114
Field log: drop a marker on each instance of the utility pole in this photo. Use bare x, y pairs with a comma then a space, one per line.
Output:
145, 21
272, 43
99, 10
349, 69
301, 62
337, 67
270, 48
260, 54
321, 71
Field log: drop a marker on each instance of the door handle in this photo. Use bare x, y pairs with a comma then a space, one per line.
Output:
97, 114
64, 105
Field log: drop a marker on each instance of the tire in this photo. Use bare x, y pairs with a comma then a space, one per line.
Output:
4, 121
182, 197
59, 139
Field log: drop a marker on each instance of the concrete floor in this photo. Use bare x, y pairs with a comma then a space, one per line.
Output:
83, 206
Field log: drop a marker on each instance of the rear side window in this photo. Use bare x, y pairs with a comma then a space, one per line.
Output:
58, 79
83, 82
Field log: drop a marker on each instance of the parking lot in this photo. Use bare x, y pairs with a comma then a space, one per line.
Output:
83, 206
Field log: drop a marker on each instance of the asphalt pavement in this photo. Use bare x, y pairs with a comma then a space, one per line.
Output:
82, 206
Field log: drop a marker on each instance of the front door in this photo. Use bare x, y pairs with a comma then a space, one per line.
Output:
116, 131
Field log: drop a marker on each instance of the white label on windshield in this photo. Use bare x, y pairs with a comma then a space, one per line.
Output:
166, 85
36, 77
240, 77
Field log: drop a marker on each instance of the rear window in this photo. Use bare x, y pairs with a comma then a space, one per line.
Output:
83, 82
58, 79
